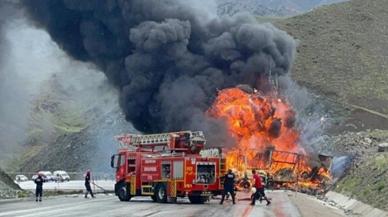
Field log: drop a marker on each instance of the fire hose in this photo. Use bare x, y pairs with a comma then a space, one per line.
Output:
103, 189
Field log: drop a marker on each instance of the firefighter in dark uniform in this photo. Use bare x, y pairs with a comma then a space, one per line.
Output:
87, 185
39, 187
229, 180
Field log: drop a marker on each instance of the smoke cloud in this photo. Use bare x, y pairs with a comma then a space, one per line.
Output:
17, 84
44, 93
168, 58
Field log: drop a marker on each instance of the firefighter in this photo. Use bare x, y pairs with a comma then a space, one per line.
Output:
87, 185
39, 187
229, 180
258, 184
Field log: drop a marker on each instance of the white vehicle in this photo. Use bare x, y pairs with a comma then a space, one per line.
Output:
21, 178
61, 176
46, 175
33, 177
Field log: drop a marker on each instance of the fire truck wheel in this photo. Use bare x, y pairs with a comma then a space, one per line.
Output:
123, 192
153, 197
198, 199
161, 193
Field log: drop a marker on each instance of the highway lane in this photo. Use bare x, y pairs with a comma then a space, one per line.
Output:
71, 185
109, 205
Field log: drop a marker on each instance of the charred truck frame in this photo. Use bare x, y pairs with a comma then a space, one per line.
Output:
166, 166
283, 169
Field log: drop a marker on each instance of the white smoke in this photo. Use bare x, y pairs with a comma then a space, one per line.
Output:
26, 63
30, 60
310, 115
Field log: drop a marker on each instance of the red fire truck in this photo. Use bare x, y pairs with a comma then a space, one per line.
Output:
166, 166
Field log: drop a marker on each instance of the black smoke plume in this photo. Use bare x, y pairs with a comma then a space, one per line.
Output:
167, 58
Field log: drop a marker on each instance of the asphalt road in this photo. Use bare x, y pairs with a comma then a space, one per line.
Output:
109, 205
71, 185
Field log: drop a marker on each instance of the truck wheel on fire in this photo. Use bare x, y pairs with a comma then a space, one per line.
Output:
166, 166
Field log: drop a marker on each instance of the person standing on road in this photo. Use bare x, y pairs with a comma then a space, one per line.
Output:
229, 180
258, 184
39, 187
87, 184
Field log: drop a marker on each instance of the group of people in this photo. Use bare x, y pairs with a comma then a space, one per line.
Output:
229, 182
39, 186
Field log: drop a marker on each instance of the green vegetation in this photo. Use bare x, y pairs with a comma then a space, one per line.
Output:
268, 19
69, 121
368, 181
23, 194
8, 189
54, 120
342, 55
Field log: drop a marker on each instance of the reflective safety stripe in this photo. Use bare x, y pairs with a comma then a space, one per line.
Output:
133, 185
172, 184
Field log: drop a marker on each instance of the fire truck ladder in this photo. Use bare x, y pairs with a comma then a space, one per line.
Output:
155, 139
162, 139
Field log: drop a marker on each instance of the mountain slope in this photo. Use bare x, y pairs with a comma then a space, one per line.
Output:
342, 54
72, 127
8, 189
257, 8
269, 7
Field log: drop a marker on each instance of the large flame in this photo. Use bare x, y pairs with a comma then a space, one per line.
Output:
265, 133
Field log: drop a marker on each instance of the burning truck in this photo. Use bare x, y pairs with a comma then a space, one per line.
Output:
168, 59
171, 165
266, 138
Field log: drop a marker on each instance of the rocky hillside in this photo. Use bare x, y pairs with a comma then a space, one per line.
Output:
367, 177
269, 8
342, 54
8, 189
232, 7
72, 127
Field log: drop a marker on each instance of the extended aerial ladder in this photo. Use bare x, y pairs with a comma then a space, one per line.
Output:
183, 141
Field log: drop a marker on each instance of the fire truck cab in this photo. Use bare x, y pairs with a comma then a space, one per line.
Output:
166, 166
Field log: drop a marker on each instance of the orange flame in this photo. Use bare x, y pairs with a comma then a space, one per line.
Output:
260, 123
